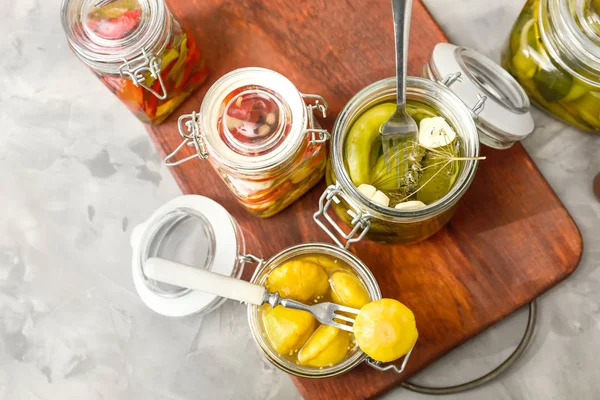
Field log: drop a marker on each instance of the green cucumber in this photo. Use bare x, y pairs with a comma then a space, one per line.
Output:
360, 140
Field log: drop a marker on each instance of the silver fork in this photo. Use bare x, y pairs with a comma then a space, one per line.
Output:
184, 276
397, 133
325, 313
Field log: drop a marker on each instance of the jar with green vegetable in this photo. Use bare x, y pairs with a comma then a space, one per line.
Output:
464, 99
369, 195
554, 52
138, 50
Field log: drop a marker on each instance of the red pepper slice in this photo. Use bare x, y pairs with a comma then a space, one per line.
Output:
191, 61
116, 28
151, 102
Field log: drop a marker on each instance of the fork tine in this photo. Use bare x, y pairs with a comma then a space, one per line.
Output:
343, 318
339, 307
385, 144
398, 150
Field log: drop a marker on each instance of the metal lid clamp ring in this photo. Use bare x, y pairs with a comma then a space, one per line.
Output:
135, 70
450, 79
378, 365
361, 221
189, 128
313, 127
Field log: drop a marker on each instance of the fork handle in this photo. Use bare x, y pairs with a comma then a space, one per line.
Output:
205, 281
296, 305
401, 10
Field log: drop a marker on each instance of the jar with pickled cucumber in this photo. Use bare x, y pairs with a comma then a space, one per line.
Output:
261, 136
463, 99
138, 50
553, 51
415, 200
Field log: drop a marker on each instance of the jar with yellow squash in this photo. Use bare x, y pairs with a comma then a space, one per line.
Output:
553, 51
194, 239
384, 329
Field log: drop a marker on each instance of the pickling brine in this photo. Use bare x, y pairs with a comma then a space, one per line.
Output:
255, 121
296, 335
553, 51
384, 329
420, 172
138, 50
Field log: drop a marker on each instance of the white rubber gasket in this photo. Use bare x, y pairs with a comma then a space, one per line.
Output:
224, 261
509, 125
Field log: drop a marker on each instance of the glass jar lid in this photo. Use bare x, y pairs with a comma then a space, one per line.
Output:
105, 34
499, 103
253, 119
191, 230
570, 29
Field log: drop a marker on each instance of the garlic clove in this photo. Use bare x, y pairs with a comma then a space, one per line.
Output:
233, 123
410, 205
367, 190
270, 119
264, 130
380, 198
435, 132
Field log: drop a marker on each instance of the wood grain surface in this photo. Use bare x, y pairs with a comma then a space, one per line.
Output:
510, 240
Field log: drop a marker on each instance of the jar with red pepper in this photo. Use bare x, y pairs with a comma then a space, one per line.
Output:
259, 133
138, 50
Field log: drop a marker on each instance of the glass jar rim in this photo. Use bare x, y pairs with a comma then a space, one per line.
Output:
259, 277
150, 37
210, 112
504, 115
418, 89
225, 243
566, 41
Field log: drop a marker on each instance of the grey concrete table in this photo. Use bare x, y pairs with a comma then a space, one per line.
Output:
77, 172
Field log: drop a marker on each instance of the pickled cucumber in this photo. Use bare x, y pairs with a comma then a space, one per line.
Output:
362, 135
424, 168
437, 175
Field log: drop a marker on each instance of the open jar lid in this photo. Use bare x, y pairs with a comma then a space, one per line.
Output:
192, 230
499, 103
253, 119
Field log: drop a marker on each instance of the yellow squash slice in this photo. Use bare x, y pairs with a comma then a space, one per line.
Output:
326, 346
348, 290
385, 330
288, 329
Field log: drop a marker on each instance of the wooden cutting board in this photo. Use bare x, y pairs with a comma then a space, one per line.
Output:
510, 240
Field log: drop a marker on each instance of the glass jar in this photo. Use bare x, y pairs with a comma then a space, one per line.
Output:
260, 277
554, 52
138, 50
498, 116
258, 133
198, 232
